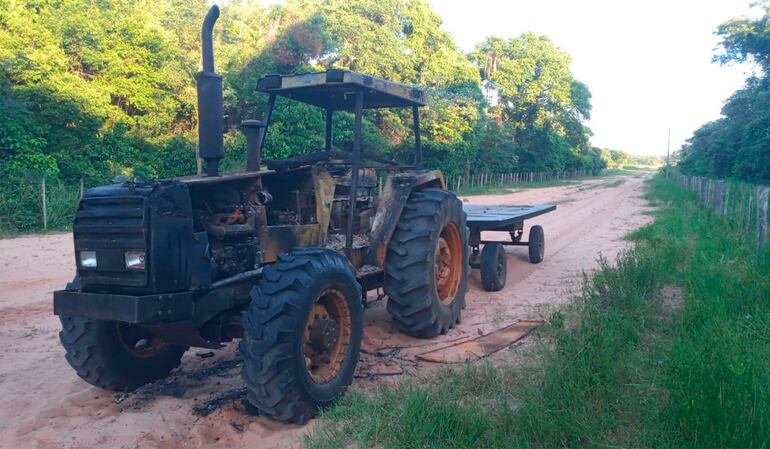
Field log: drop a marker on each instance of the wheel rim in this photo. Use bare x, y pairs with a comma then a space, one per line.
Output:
327, 336
138, 341
448, 263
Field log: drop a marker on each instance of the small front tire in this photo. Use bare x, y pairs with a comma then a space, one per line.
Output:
536, 244
494, 267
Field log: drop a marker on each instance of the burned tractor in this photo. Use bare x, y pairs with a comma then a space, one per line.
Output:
280, 256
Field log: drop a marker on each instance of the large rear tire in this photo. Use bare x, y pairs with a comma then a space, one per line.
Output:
116, 356
426, 266
302, 334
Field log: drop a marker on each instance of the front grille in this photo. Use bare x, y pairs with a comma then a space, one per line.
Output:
110, 226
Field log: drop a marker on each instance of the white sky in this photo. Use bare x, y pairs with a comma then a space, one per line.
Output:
646, 62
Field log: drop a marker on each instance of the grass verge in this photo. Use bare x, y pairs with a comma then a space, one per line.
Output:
622, 366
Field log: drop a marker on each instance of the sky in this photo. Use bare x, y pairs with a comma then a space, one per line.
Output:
646, 62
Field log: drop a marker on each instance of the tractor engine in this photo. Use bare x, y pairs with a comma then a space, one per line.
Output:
231, 222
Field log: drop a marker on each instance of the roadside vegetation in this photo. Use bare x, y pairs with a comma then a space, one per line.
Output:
666, 347
92, 90
737, 145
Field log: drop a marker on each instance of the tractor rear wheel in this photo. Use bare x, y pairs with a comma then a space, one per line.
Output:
426, 265
116, 356
302, 334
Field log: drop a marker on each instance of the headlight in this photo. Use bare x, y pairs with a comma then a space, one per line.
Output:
87, 259
135, 260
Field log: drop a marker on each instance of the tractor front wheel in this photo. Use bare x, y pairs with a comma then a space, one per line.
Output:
302, 334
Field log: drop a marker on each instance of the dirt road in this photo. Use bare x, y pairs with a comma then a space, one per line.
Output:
45, 405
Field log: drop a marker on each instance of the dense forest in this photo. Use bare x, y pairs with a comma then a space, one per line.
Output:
97, 88
738, 144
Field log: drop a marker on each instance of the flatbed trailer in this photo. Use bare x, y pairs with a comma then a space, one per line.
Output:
490, 258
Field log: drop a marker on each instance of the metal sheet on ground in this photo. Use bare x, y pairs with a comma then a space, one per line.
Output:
480, 347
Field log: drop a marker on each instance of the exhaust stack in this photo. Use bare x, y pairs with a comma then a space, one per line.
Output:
210, 111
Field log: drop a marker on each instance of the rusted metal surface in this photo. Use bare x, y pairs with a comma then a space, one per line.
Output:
327, 336
324, 197
480, 347
448, 263
331, 90
397, 190
282, 239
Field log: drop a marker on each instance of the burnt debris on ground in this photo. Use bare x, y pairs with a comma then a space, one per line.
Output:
182, 384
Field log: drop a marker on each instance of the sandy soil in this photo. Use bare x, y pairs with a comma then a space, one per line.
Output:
45, 405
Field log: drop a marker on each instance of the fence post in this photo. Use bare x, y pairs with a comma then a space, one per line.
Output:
719, 197
762, 217
749, 208
45, 206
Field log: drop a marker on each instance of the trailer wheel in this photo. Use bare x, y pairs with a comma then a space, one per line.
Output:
536, 244
116, 356
426, 265
302, 334
494, 267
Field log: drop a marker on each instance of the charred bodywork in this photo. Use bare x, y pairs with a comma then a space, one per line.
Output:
185, 250
281, 255
199, 239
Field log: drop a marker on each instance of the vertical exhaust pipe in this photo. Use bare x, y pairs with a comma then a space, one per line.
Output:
210, 111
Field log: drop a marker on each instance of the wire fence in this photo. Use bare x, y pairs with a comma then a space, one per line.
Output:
481, 181
37, 203
744, 205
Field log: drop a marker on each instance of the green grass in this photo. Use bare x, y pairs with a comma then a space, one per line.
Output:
621, 366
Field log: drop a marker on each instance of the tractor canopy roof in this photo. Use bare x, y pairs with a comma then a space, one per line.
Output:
335, 90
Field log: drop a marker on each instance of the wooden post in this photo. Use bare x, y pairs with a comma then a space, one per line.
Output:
719, 197
743, 199
45, 207
749, 207
762, 217
81, 187
668, 155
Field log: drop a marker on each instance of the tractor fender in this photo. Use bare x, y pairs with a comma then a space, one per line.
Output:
391, 204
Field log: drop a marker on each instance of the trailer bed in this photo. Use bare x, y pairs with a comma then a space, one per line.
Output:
489, 255
491, 217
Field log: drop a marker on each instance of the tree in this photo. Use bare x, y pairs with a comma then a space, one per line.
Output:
738, 144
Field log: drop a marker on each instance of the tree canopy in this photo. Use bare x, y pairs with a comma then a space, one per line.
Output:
738, 143
92, 89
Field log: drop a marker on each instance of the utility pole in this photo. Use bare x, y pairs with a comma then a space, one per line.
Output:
668, 156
